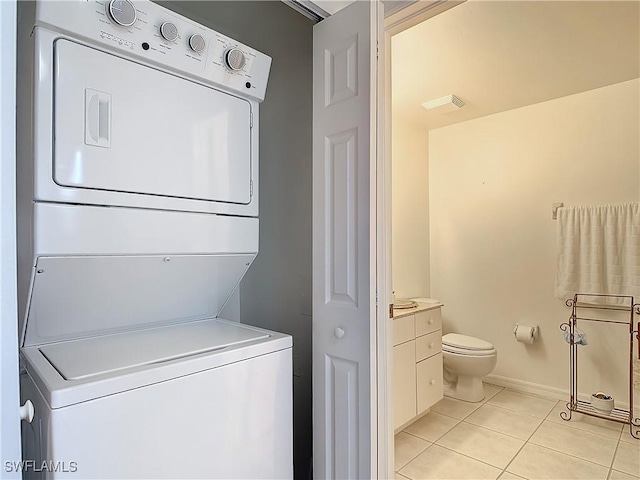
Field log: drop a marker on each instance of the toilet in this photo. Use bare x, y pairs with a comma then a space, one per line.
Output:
465, 361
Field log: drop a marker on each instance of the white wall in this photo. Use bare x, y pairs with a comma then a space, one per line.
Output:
492, 183
410, 209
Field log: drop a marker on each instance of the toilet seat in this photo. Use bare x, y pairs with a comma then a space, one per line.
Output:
466, 345
471, 353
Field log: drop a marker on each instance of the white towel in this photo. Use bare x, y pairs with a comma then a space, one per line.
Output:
599, 250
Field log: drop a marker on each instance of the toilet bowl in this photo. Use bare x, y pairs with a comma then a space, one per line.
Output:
465, 361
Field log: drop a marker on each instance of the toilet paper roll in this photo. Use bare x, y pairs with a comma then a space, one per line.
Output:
525, 333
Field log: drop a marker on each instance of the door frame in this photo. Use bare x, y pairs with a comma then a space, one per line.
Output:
9, 395
397, 22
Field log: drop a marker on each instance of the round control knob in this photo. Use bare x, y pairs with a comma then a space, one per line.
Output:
169, 31
197, 43
122, 12
235, 59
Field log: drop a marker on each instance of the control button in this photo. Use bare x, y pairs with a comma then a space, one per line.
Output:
197, 43
248, 84
169, 31
145, 46
122, 12
234, 59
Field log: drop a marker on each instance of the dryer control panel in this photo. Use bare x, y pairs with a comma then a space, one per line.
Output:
144, 30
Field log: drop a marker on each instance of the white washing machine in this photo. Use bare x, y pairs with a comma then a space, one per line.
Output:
138, 217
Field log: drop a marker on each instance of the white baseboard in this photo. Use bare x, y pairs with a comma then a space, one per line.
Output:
528, 387
545, 391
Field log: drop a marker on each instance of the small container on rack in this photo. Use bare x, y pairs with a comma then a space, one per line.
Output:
601, 405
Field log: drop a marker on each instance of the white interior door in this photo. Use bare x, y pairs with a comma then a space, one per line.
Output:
344, 250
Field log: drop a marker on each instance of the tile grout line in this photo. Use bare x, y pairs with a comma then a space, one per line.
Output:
456, 418
545, 418
432, 443
469, 457
495, 431
501, 407
520, 411
567, 424
615, 452
530, 436
550, 398
507, 409
415, 456
482, 403
424, 439
458, 422
406, 476
510, 436
503, 433
569, 454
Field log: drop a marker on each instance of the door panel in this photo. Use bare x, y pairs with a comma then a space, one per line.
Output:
344, 282
114, 133
429, 382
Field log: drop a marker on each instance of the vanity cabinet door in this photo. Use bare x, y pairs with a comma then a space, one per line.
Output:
404, 379
429, 382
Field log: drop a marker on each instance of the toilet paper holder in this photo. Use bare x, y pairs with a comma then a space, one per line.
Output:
525, 333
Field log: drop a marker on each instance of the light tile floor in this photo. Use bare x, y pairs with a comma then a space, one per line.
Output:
512, 435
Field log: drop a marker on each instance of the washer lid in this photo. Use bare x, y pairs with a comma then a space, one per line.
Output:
90, 357
465, 342
91, 296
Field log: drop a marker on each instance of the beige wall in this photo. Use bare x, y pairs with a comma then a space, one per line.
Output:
410, 214
492, 182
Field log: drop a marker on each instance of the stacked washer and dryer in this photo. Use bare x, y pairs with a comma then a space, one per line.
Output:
138, 217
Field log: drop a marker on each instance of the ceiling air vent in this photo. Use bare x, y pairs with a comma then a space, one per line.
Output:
448, 103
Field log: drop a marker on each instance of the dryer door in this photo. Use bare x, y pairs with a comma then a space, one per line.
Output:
123, 127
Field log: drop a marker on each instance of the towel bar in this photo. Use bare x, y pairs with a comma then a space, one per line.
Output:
554, 209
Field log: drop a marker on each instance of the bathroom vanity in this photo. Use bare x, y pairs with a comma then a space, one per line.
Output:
417, 361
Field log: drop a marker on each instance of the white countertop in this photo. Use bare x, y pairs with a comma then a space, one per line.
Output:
421, 307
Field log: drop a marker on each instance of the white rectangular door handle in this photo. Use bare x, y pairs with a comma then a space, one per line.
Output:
97, 118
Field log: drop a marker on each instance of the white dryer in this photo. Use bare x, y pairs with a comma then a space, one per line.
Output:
138, 217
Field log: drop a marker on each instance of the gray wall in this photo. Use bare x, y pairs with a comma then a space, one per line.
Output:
276, 292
